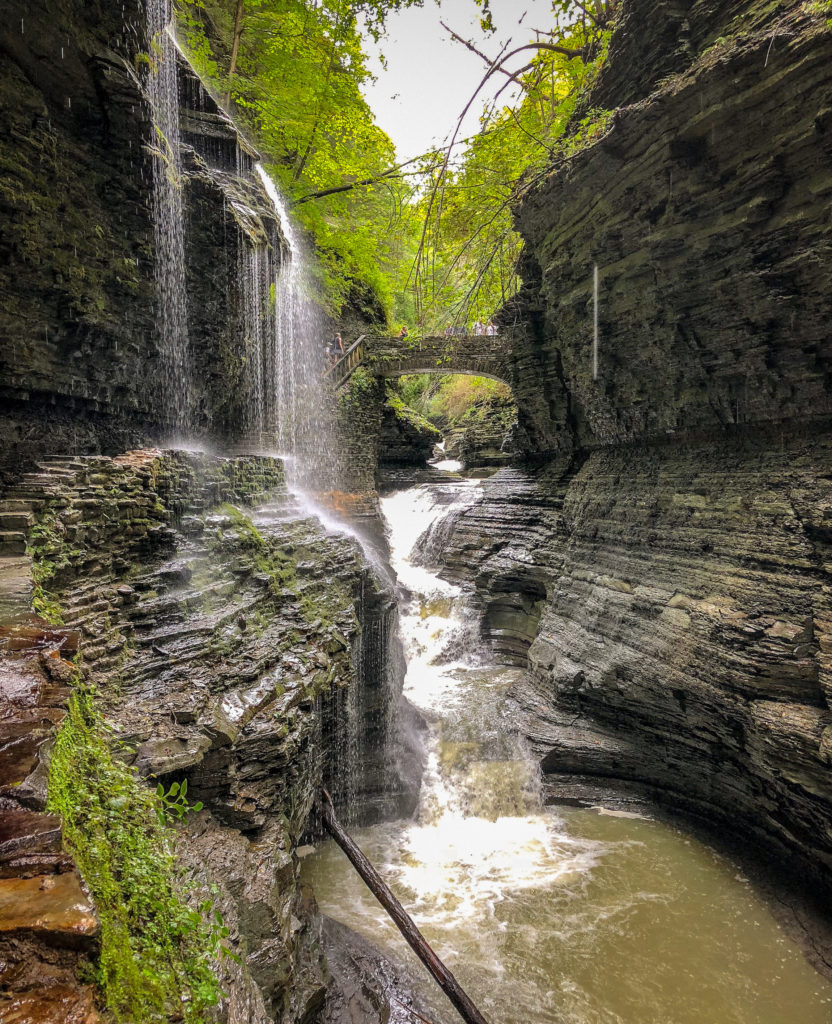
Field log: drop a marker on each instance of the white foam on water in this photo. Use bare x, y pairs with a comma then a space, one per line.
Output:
448, 465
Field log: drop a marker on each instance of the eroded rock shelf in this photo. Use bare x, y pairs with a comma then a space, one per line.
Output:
655, 562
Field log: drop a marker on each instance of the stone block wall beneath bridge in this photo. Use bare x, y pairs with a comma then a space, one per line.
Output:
360, 411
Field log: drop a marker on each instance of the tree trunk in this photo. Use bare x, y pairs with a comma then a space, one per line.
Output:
235, 46
379, 888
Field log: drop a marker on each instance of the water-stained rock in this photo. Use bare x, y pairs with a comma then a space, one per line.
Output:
56, 1004
52, 907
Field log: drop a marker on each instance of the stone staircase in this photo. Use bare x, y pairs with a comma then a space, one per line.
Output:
341, 372
47, 923
23, 499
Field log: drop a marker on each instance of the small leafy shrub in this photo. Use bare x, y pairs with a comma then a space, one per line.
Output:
461, 396
172, 804
157, 953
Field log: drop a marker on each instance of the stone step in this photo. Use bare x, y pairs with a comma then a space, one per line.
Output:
16, 520
30, 492
70, 461
19, 505
53, 469
49, 478
53, 907
12, 543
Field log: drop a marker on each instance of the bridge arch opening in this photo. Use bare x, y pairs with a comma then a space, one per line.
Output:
475, 414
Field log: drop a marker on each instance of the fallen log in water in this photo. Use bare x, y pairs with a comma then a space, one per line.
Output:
417, 942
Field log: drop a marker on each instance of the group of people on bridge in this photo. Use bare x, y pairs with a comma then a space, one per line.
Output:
479, 329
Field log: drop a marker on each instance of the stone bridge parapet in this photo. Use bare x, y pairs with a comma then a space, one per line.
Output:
474, 354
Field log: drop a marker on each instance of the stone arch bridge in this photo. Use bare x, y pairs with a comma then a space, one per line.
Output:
473, 354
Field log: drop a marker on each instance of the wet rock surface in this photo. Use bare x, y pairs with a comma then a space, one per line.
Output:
48, 926
366, 985
705, 207
63, 1005
677, 640
245, 651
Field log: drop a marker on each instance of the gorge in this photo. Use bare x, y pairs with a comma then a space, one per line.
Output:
595, 754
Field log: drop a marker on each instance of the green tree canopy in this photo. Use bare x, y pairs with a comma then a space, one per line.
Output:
465, 266
433, 239
293, 71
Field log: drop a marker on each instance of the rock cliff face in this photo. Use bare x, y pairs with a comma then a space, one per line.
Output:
406, 437
705, 207
244, 651
665, 574
487, 435
82, 366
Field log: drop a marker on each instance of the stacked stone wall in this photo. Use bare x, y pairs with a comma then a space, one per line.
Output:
360, 412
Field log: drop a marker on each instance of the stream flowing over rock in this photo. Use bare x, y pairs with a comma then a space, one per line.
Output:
665, 575
647, 576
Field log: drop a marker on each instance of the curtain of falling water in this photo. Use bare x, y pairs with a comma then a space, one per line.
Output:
304, 406
168, 221
370, 786
254, 272
575, 917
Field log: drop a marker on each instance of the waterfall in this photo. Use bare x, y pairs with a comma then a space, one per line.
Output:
303, 406
375, 787
168, 220
290, 407
254, 276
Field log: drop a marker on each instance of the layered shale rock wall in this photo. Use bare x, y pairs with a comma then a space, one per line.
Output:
665, 574
81, 362
242, 650
706, 207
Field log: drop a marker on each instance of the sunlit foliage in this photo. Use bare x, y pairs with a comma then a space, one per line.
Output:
466, 265
432, 241
295, 78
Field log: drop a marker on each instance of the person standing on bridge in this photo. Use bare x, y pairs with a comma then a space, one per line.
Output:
334, 349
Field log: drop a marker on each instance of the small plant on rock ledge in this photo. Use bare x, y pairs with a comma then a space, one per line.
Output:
172, 804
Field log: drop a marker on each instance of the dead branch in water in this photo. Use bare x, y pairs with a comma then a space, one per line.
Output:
403, 921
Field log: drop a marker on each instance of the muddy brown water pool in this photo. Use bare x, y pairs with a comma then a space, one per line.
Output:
567, 915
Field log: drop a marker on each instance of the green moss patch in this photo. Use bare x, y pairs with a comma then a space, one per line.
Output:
157, 952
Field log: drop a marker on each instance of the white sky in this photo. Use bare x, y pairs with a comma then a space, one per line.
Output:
430, 77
